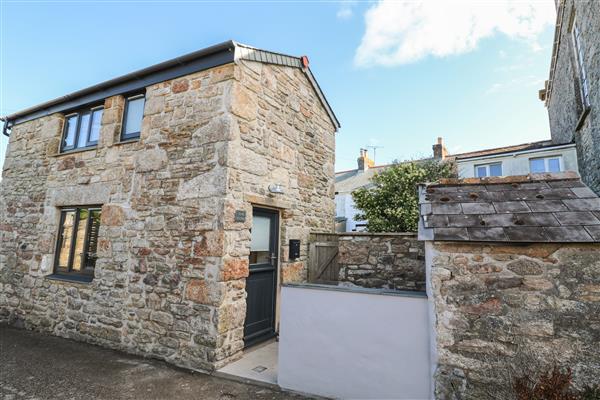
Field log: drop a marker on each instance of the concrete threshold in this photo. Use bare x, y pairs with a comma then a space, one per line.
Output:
258, 365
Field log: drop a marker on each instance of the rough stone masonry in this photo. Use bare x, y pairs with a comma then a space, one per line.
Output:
172, 259
382, 260
513, 270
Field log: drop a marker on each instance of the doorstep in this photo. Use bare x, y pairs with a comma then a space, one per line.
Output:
258, 365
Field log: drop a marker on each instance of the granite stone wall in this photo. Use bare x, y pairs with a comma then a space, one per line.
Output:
500, 308
172, 261
382, 260
564, 104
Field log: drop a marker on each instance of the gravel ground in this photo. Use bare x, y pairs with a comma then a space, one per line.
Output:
38, 366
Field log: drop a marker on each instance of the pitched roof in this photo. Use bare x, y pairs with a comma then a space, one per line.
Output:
543, 144
528, 208
349, 181
210, 57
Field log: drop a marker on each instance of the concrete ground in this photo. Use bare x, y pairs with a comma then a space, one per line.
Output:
38, 366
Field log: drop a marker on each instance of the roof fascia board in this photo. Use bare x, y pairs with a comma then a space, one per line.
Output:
198, 61
515, 153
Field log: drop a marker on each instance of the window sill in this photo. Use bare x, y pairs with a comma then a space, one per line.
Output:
70, 278
582, 118
127, 141
80, 150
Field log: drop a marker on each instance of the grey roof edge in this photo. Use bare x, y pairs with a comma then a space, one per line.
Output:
502, 151
209, 57
51, 106
271, 57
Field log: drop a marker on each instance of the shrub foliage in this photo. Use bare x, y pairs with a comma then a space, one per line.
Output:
391, 205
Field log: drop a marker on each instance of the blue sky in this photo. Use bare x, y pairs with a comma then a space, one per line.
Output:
398, 75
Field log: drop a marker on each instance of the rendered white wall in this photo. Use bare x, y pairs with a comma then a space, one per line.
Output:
344, 207
518, 163
354, 345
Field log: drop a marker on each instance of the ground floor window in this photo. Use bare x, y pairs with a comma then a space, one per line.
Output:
77, 242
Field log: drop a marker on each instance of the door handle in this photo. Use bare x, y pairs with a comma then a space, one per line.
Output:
273, 258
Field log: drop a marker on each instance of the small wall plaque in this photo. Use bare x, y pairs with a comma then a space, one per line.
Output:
240, 216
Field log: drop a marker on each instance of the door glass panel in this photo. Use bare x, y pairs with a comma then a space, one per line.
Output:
496, 170
536, 166
553, 165
70, 132
83, 130
96, 120
65, 242
260, 240
80, 240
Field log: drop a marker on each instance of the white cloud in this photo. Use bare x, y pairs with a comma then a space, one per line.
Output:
346, 9
401, 32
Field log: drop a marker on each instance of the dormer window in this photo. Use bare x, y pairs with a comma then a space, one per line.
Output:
82, 129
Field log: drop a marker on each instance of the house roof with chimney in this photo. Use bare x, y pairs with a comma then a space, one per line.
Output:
529, 208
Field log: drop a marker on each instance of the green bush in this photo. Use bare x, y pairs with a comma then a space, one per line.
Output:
391, 205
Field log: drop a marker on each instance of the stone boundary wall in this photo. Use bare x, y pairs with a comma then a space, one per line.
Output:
382, 260
499, 308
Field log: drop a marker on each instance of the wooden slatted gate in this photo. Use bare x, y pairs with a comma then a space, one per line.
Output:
323, 264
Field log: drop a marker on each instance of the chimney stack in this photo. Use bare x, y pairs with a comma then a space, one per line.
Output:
364, 162
439, 150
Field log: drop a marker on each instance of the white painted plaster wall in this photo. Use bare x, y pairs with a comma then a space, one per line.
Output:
354, 345
518, 163
344, 206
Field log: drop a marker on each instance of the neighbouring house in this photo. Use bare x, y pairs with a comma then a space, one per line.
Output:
512, 280
152, 213
522, 159
347, 182
572, 91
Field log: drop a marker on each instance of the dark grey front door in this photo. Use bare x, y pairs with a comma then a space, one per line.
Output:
262, 281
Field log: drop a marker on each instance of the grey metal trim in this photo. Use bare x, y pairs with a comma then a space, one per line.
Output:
220, 54
209, 57
245, 52
361, 290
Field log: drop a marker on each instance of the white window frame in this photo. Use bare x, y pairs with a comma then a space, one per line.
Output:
584, 85
546, 159
487, 169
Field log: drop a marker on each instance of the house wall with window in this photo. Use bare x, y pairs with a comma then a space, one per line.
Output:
161, 265
549, 159
572, 93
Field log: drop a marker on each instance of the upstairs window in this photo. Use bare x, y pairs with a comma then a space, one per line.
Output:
132, 117
584, 84
82, 129
484, 170
77, 242
545, 164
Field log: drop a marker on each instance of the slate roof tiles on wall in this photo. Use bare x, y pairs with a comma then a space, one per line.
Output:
530, 208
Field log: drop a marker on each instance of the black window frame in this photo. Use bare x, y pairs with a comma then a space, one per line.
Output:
134, 135
79, 113
85, 274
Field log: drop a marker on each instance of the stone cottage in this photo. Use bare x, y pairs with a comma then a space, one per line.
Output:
572, 92
513, 270
152, 213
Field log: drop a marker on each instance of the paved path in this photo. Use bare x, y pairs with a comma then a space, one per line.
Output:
37, 366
